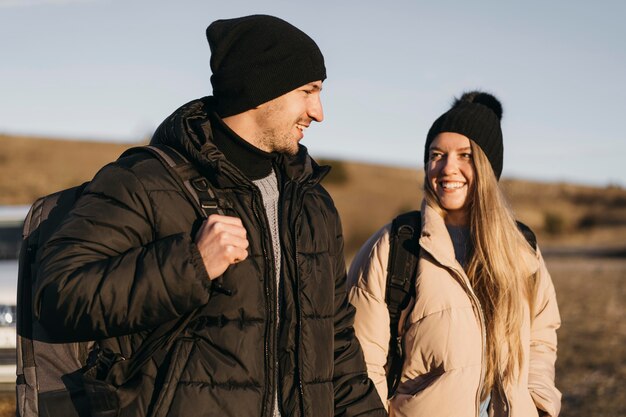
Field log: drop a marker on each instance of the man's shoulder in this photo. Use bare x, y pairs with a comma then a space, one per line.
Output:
137, 168
140, 163
324, 196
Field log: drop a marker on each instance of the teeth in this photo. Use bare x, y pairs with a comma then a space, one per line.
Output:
301, 127
452, 185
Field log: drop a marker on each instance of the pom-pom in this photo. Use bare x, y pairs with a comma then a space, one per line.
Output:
483, 98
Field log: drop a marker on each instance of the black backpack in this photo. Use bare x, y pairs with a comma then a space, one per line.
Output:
400, 286
53, 378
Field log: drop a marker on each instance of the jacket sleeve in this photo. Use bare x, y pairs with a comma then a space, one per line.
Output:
543, 344
355, 394
103, 273
366, 282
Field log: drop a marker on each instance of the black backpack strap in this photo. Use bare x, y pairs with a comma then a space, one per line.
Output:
195, 185
400, 285
528, 234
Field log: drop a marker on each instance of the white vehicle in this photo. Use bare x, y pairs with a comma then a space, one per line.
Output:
11, 220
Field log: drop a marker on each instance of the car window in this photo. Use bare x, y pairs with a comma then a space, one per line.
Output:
10, 242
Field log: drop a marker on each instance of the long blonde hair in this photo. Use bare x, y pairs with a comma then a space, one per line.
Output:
497, 277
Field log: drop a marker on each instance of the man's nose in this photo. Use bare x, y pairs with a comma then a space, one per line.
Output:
315, 110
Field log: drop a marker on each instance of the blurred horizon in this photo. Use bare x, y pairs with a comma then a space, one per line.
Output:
112, 70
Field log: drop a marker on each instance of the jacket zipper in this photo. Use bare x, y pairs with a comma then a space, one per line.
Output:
300, 388
299, 309
271, 381
474, 298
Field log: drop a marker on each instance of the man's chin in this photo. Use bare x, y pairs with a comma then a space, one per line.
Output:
291, 150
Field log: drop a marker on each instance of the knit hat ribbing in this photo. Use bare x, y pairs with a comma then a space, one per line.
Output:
257, 58
476, 115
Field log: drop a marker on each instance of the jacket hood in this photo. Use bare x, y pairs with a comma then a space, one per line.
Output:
189, 131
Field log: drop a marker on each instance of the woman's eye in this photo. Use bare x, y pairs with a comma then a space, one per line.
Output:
466, 155
435, 156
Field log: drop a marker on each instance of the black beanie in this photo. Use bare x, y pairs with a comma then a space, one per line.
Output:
476, 115
257, 58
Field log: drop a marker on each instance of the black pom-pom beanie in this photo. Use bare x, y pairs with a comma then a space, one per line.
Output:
257, 58
476, 115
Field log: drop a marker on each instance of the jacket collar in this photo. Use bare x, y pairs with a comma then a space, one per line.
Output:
436, 240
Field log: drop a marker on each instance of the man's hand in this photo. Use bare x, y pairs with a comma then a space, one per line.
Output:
222, 242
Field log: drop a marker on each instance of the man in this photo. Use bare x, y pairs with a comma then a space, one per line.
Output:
273, 334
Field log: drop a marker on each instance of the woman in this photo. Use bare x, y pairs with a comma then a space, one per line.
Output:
479, 337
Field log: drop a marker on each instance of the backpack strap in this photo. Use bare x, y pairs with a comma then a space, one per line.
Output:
195, 185
528, 234
401, 270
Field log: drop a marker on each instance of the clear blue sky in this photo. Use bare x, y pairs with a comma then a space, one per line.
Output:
113, 69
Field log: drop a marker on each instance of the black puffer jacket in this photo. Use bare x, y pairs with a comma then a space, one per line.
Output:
124, 262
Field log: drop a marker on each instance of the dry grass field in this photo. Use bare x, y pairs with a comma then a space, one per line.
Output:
562, 215
32, 167
582, 231
591, 365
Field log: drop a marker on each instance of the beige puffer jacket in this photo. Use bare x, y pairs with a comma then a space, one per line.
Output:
443, 333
